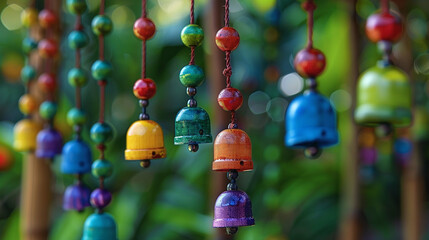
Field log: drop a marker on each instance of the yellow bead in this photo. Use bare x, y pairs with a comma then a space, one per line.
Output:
25, 133
145, 141
27, 104
29, 17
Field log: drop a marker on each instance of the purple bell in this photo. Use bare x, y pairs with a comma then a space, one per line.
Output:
49, 143
76, 197
233, 209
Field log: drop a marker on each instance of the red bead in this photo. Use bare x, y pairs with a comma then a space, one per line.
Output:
144, 28
48, 48
47, 82
47, 18
384, 26
227, 39
144, 88
230, 99
310, 62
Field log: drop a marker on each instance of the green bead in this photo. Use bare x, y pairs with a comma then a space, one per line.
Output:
102, 168
77, 77
76, 116
28, 45
101, 70
192, 35
101, 25
48, 110
76, 6
77, 39
28, 73
191, 76
101, 133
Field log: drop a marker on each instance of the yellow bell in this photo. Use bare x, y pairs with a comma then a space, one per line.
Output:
25, 134
145, 141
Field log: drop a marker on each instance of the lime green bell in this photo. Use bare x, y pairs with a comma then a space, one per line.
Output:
383, 97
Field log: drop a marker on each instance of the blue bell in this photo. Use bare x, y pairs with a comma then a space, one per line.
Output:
100, 226
77, 158
311, 123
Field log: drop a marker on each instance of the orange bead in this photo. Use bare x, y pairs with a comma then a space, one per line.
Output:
27, 104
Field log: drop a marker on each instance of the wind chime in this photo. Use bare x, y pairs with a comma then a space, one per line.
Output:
49, 140
192, 125
232, 146
310, 118
26, 130
101, 225
384, 92
77, 157
145, 139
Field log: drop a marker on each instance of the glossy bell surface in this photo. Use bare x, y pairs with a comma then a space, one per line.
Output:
311, 122
25, 134
232, 151
100, 226
233, 209
49, 143
145, 141
77, 158
76, 197
383, 97
192, 126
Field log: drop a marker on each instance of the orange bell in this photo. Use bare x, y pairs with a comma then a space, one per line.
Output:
232, 151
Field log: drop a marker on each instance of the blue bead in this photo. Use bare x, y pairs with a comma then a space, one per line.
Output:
100, 226
28, 73
77, 158
77, 39
101, 70
28, 45
101, 133
191, 76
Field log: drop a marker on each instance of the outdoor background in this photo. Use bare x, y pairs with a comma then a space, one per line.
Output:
293, 197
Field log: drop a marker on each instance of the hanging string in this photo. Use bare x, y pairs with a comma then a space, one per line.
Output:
309, 6
226, 13
143, 59
385, 6
144, 12
192, 21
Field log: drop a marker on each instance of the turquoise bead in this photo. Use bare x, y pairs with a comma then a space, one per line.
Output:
76, 116
77, 39
101, 133
101, 70
77, 77
102, 168
28, 73
76, 6
28, 45
191, 76
192, 35
48, 110
101, 25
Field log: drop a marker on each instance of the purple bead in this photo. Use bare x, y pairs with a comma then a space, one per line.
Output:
76, 197
368, 155
233, 209
100, 198
49, 143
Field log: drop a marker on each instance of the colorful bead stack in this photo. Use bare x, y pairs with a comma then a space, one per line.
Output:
49, 140
77, 157
378, 88
232, 146
192, 125
311, 121
26, 130
101, 225
145, 139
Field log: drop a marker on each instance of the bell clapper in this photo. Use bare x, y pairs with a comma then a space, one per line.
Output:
231, 230
313, 152
193, 147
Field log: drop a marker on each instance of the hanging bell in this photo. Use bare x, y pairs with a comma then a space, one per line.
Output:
25, 134
49, 143
192, 126
383, 97
311, 123
76, 197
77, 158
99, 226
232, 151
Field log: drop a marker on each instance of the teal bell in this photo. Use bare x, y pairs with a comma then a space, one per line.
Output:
192, 127
99, 226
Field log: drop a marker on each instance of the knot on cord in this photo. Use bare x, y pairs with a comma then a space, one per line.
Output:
227, 72
309, 5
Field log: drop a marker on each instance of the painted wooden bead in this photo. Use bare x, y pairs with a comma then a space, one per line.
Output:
48, 48
77, 39
310, 62
191, 76
384, 26
227, 39
47, 82
76, 116
27, 104
100, 198
102, 168
28, 45
77, 77
144, 28
28, 73
101, 70
76, 6
230, 99
192, 35
101, 133
47, 18
29, 17
101, 25
25, 133
144, 88
48, 110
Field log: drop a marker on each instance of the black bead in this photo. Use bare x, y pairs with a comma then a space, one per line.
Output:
385, 47
312, 83
232, 126
191, 91
231, 187
313, 152
232, 174
145, 163
231, 230
192, 103
193, 147
144, 103
144, 116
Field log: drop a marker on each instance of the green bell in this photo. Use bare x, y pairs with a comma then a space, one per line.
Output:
383, 97
192, 127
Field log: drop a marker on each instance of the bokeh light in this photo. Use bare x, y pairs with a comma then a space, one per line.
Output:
258, 102
291, 84
122, 16
276, 109
11, 17
341, 100
421, 64
121, 113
